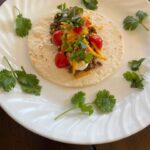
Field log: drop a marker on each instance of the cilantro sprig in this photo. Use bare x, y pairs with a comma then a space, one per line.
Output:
23, 25
135, 64
78, 101
132, 22
104, 102
28, 82
134, 77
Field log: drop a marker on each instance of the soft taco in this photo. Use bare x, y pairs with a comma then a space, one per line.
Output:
74, 47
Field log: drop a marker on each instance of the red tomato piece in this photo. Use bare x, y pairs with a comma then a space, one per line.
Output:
97, 40
56, 37
61, 60
87, 23
78, 30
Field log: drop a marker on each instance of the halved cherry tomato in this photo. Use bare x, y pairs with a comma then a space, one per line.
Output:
87, 23
56, 37
97, 40
78, 30
61, 60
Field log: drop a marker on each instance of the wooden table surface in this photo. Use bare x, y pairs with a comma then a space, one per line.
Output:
15, 137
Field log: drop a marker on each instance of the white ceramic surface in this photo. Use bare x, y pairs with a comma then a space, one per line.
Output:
131, 113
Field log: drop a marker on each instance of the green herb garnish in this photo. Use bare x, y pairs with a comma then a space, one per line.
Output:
81, 55
75, 11
70, 15
7, 80
141, 15
135, 64
104, 101
135, 79
90, 4
88, 57
23, 25
134, 76
78, 101
28, 82
62, 7
131, 23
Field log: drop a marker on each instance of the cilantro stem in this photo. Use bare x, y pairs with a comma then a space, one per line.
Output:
23, 69
13, 72
147, 29
65, 112
17, 10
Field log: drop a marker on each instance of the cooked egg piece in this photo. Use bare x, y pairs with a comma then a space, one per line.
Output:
82, 65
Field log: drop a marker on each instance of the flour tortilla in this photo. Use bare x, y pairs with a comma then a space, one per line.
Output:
42, 52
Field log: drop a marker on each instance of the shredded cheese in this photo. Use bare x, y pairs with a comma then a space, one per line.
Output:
82, 74
97, 49
99, 55
85, 31
74, 66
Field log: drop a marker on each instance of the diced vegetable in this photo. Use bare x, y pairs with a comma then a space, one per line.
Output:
57, 37
61, 60
97, 40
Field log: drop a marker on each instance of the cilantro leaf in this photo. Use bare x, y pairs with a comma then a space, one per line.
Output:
135, 79
77, 21
23, 25
75, 11
77, 55
78, 99
88, 57
135, 64
7, 80
28, 82
86, 108
141, 15
104, 101
130, 23
81, 55
62, 7
35, 90
90, 4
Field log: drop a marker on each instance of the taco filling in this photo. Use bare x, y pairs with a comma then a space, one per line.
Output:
80, 48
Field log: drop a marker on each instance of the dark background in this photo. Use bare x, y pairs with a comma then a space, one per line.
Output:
15, 137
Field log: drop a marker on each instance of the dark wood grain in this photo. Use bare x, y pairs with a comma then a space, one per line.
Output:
15, 137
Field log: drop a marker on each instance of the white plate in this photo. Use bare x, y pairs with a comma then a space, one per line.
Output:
131, 113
